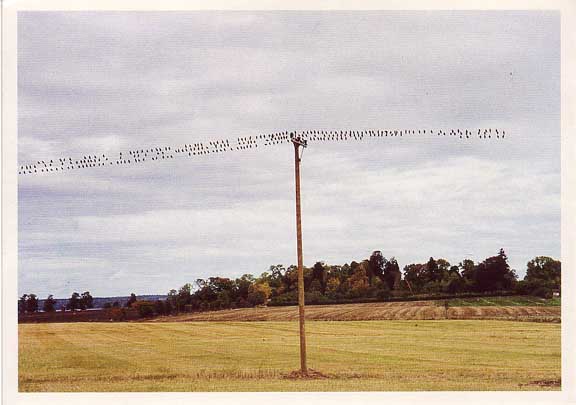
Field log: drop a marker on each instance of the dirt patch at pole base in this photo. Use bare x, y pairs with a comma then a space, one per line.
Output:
310, 375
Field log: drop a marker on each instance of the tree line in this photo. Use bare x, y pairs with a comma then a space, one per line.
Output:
28, 303
373, 279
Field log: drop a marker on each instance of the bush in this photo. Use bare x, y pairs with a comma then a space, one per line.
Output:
315, 297
543, 292
160, 307
383, 294
522, 287
256, 298
285, 299
242, 303
167, 307
116, 314
146, 309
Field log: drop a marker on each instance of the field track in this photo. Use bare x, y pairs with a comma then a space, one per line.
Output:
415, 310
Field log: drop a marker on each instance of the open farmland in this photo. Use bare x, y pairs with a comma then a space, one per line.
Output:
495, 308
257, 356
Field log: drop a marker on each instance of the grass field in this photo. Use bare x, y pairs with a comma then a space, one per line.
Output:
495, 308
507, 301
256, 356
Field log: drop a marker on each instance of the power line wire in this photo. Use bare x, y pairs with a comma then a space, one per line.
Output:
141, 155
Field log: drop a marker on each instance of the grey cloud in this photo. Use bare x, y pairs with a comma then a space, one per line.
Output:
103, 82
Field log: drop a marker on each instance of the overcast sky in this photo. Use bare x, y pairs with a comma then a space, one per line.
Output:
105, 82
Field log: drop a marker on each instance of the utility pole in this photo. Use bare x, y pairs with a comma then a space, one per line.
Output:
297, 144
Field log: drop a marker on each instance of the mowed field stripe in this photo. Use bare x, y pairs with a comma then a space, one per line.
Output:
254, 356
374, 311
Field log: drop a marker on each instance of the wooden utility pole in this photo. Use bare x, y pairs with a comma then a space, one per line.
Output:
297, 144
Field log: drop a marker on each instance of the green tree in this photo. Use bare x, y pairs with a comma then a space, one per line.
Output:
131, 301
73, 302
545, 271
172, 298
185, 294
376, 264
455, 284
274, 277
49, 304
454, 270
443, 269
494, 273
432, 271
32, 303
168, 307
543, 276
290, 279
468, 270
319, 274
22, 306
86, 300
145, 309
392, 275
415, 277
243, 285
160, 307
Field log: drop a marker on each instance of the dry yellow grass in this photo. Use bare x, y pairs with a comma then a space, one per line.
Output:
254, 356
415, 310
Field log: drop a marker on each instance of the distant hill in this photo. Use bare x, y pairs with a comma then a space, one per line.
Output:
99, 302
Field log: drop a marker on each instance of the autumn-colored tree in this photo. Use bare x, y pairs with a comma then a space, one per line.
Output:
358, 282
259, 294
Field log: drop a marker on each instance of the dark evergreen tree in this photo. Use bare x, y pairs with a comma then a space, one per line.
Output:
86, 300
49, 304
432, 271
73, 302
376, 266
494, 274
32, 303
392, 273
319, 274
22, 305
131, 300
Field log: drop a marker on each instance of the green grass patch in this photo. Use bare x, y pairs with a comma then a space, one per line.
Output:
505, 301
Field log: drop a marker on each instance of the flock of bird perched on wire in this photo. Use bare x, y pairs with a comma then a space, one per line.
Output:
242, 143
